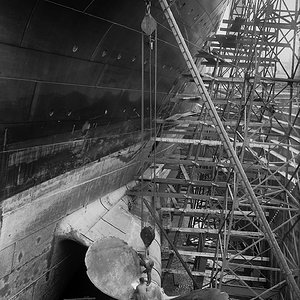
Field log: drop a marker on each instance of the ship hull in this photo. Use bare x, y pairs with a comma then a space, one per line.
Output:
33, 257
63, 63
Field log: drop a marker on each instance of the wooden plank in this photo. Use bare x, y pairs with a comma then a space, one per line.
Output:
235, 233
240, 291
203, 161
178, 116
189, 182
239, 266
231, 256
246, 56
184, 172
149, 172
210, 123
173, 199
254, 267
226, 277
263, 145
202, 211
264, 24
220, 199
177, 271
219, 79
174, 195
239, 64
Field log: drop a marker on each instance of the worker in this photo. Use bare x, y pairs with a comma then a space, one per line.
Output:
148, 264
141, 290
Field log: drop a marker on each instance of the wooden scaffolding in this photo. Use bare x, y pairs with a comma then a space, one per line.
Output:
228, 181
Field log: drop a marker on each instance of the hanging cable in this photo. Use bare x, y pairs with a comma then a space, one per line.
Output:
155, 118
142, 125
149, 26
150, 84
143, 87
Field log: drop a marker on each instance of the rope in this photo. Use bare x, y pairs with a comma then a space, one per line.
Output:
150, 85
142, 125
149, 27
155, 117
143, 88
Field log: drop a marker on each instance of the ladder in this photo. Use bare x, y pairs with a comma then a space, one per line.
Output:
265, 227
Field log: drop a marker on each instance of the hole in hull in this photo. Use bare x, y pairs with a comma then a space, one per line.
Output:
79, 285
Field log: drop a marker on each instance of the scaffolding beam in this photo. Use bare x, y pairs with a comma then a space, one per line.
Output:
226, 143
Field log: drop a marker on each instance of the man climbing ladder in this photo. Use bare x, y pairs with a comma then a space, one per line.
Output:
148, 264
147, 235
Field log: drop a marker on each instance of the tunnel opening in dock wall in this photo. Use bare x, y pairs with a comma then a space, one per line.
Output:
77, 284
